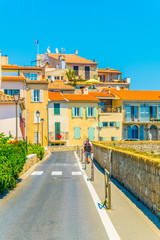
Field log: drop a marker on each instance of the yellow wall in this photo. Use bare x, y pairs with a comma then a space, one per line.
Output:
32, 107
83, 123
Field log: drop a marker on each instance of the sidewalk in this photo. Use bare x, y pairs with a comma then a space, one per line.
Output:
131, 219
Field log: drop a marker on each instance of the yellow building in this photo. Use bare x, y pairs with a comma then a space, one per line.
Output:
72, 118
110, 116
37, 100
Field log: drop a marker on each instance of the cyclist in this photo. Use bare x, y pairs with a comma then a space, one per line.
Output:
88, 149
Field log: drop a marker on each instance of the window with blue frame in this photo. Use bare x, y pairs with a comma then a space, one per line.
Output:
105, 124
153, 112
11, 91
111, 124
31, 76
90, 112
134, 113
36, 95
76, 112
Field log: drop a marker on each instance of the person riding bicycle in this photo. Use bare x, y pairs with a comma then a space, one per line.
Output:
87, 149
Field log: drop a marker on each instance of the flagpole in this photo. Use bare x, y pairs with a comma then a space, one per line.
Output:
37, 48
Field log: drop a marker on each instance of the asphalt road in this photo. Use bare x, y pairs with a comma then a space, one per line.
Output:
48, 207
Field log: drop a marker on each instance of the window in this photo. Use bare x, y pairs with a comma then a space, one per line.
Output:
11, 91
87, 73
111, 124
31, 76
105, 124
76, 112
90, 112
134, 113
56, 77
153, 112
76, 68
36, 95
77, 133
57, 108
114, 139
62, 78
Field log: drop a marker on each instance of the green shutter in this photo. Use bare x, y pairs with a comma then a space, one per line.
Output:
57, 108
86, 111
100, 124
77, 133
73, 111
95, 112
91, 133
104, 138
115, 139
117, 124
81, 112
57, 129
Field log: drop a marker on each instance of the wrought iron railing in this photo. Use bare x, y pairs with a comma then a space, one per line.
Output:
63, 136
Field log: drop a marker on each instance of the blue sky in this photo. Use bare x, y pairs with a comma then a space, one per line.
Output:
120, 34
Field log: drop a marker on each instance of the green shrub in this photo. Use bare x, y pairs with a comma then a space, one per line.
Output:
36, 149
12, 160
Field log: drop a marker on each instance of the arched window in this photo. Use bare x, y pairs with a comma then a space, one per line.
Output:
134, 132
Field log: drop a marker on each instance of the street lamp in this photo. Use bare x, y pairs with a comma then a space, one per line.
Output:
37, 115
16, 99
42, 121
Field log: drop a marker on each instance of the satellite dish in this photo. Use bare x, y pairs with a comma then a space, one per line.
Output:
56, 50
52, 79
48, 50
118, 88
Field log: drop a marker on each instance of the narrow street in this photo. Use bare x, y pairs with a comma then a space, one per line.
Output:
52, 203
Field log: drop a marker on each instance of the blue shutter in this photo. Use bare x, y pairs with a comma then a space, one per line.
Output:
95, 112
100, 124
115, 139
141, 132
81, 112
73, 111
86, 111
129, 132
159, 110
77, 133
91, 133
104, 138
128, 113
117, 124
142, 113
147, 113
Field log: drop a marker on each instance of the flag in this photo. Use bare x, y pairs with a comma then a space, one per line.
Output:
36, 42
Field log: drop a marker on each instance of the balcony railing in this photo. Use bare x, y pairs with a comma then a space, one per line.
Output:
110, 109
58, 136
138, 120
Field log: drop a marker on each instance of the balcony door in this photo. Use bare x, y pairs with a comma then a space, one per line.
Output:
154, 132
57, 130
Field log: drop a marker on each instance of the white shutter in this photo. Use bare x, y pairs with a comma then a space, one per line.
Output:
35, 137
35, 117
41, 95
32, 95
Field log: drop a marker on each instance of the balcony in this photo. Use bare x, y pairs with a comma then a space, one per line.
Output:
110, 109
58, 137
138, 120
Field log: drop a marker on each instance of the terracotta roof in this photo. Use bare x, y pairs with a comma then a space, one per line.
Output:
72, 58
16, 67
108, 70
80, 97
56, 96
101, 94
37, 82
58, 84
4, 98
137, 95
10, 78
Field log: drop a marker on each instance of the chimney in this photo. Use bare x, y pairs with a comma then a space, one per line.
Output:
76, 52
0, 70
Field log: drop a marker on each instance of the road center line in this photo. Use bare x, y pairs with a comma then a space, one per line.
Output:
110, 229
37, 173
76, 173
56, 173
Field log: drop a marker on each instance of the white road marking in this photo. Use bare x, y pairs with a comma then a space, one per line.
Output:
76, 173
37, 173
110, 229
56, 173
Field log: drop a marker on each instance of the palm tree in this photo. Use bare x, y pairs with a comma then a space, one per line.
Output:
71, 76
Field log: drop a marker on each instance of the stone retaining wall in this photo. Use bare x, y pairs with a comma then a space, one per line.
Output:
144, 146
139, 174
31, 160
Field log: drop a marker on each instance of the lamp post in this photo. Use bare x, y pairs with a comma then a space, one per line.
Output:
38, 115
42, 121
16, 99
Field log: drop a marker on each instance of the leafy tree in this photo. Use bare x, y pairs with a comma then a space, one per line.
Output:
71, 77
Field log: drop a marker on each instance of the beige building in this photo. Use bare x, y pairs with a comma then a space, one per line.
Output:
60, 63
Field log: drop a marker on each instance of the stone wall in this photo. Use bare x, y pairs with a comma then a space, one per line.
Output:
139, 174
144, 146
31, 160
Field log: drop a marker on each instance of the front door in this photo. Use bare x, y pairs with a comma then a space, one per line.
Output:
91, 133
57, 130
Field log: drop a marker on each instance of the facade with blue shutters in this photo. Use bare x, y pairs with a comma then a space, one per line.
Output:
141, 119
